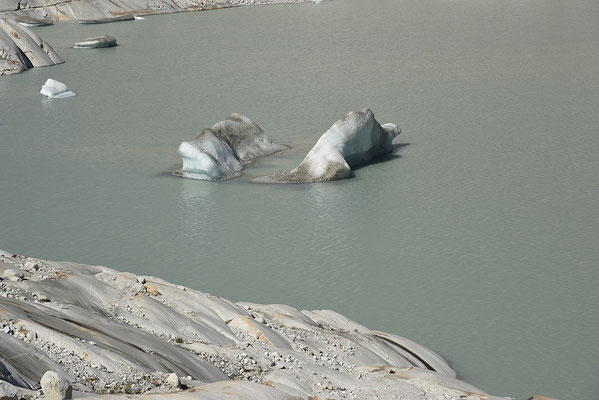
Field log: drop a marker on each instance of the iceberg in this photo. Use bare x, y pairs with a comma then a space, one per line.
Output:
96, 42
351, 141
208, 158
55, 90
220, 152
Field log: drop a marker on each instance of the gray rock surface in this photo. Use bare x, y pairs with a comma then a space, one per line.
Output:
101, 11
12, 59
354, 140
96, 42
10, 392
55, 387
238, 390
221, 151
21, 363
112, 334
30, 21
21, 49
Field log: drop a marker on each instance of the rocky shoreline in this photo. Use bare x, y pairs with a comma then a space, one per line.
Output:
75, 10
110, 332
21, 49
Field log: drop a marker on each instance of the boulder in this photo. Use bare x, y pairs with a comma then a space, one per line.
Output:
221, 151
351, 141
173, 381
54, 89
31, 266
13, 351
14, 275
55, 387
96, 42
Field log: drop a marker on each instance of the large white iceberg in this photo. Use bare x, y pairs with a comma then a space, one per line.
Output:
221, 151
351, 141
55, 90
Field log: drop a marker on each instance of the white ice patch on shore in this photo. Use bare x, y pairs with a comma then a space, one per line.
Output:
56, 90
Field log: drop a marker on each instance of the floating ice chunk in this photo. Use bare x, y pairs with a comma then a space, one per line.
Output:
351, 141
208, 158
137, 17
221, 151
96, 42
55, 90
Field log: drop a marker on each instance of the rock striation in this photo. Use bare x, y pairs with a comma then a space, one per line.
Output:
220, 152
102, 11
21, 49
351, 141
30, 21
106, 331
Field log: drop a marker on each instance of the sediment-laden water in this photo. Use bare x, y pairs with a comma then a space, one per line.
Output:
478, 238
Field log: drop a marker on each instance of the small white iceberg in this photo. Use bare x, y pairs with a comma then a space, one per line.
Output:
139, 18
55, 90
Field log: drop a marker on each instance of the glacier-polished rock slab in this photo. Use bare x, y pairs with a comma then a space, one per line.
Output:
21, 49
105, 330
103, 11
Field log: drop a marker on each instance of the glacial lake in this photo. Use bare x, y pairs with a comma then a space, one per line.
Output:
478, 238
